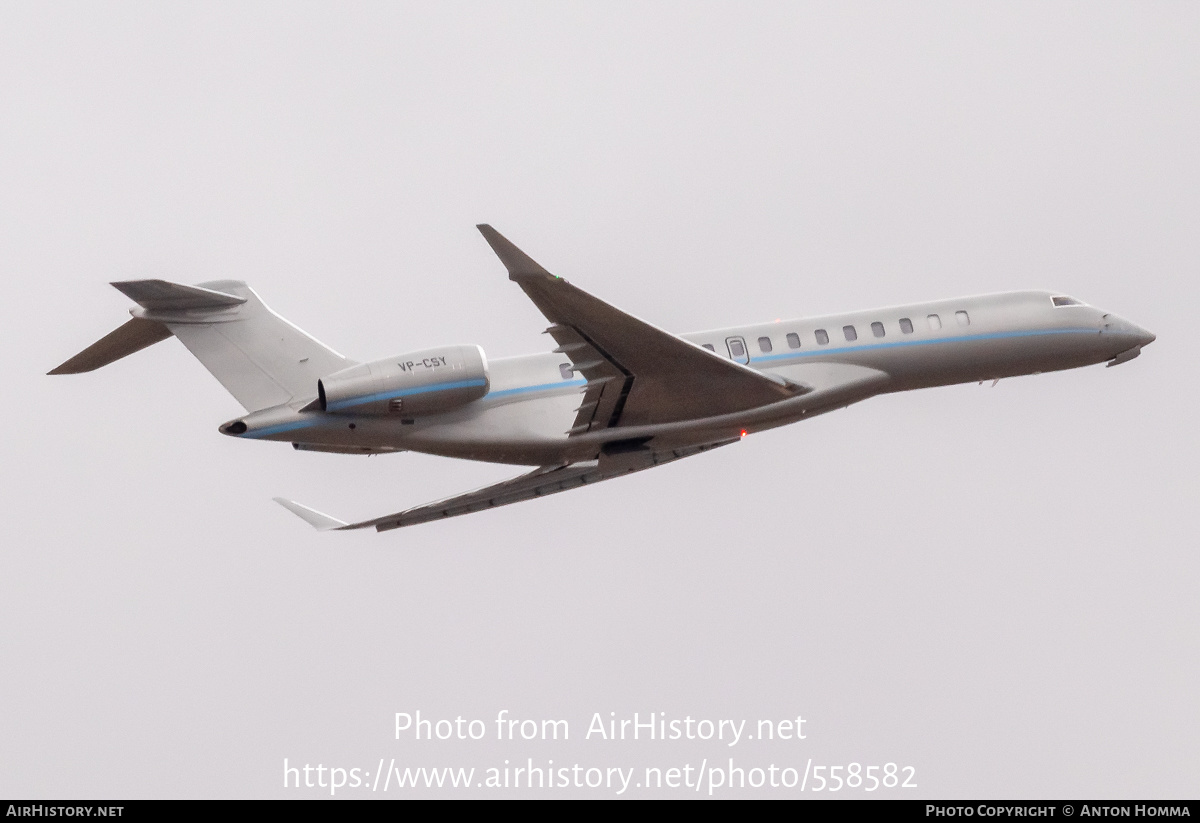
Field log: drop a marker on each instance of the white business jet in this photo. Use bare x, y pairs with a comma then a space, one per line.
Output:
616, 395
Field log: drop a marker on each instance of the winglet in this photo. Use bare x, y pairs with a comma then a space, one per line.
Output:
516, 261
320, 522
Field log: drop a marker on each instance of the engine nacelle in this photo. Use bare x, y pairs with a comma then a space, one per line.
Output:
424, 382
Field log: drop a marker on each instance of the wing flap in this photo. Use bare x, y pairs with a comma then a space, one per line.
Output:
537, 483
606, 385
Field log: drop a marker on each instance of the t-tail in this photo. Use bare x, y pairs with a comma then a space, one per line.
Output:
260, 358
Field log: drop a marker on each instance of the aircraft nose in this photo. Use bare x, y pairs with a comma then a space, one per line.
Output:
1121, 329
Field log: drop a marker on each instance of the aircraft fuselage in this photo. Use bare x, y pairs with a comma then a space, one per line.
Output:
532, 400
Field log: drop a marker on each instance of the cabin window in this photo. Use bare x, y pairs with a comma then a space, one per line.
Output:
963, 318
1063, 300
736, 348
906, 325
877, 329
822, 336
793, 340
710, 347
935, 322
764, 345
565, 370
851, 334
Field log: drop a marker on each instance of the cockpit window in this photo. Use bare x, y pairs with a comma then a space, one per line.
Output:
1063, 300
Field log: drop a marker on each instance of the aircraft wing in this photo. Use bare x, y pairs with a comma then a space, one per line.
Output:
540, 482
637, 373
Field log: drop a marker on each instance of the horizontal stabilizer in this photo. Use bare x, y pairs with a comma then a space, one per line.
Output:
159, 295
134, 336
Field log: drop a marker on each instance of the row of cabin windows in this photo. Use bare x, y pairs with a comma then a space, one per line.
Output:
849, 332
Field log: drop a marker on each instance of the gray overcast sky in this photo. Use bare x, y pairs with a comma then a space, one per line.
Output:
996, 587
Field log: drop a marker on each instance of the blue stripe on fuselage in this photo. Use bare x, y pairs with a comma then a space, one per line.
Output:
304, 424
283, 427
389, 395
791, 355
540, 386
